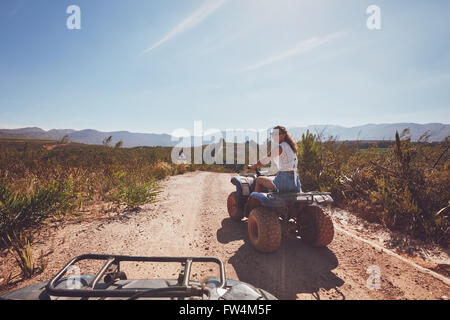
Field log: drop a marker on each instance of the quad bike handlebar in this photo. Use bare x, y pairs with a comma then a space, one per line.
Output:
111, 268
257, 171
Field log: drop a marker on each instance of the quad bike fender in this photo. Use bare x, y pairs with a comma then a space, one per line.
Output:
244, 185
275, 200
261, 199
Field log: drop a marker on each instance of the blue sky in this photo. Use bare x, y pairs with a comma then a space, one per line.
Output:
155, 66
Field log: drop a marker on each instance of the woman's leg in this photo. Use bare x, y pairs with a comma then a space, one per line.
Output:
264, 182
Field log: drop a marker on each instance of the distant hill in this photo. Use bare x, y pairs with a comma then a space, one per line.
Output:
437, 131
90, 136
35, 133
129, 139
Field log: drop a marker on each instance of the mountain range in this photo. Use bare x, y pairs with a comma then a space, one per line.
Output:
437, 132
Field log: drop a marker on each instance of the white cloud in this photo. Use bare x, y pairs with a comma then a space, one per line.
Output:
208, 8
299, 49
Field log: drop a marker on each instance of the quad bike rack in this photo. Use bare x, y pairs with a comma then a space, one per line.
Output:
111, 272
305, 197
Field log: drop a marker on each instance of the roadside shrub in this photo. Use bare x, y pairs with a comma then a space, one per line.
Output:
19, 211
181, 168
20, 247
310, 161
133, 193
411, 190
161, 169
402, 185
37, 183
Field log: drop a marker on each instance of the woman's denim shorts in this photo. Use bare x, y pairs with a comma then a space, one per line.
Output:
287, 182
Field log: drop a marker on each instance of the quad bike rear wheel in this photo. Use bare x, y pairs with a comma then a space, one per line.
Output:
315, 227
264, 229
234, 208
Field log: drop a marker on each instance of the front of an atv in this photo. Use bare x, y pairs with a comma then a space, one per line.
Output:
110, 283
236, 201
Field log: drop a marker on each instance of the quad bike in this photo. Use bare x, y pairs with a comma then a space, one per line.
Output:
112, 283
271, 213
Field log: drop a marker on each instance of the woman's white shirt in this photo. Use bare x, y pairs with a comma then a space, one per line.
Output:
287, 161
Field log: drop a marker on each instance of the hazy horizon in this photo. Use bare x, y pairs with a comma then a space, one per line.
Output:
166, 132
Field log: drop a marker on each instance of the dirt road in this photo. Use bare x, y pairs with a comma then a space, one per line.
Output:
190, 219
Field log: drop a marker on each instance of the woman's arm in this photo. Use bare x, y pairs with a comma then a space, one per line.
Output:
266, 160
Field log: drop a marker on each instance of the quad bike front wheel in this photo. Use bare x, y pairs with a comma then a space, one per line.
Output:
264, 229
233, 205
315, 227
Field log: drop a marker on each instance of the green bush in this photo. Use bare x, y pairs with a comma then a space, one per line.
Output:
411, 190
310, 161
402, 185
39, 182
19, 211
133, 193
161, 169
19, 245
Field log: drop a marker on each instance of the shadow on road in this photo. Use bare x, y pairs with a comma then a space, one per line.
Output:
295, 268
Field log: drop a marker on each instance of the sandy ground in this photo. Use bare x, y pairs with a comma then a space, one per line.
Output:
190, 219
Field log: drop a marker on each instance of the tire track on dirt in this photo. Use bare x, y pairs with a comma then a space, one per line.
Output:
393, 254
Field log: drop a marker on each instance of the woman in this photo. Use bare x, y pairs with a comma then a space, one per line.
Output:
287, 179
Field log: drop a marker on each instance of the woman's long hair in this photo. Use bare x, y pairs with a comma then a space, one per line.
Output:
288, 139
